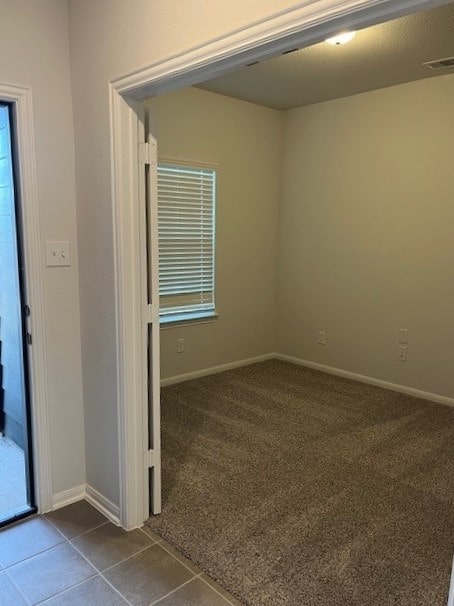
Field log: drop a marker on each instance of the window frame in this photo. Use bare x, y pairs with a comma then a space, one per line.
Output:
199, 316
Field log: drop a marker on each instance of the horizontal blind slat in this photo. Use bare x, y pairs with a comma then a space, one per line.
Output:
186, 238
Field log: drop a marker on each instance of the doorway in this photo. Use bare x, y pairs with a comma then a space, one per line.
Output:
134, 313
16, 478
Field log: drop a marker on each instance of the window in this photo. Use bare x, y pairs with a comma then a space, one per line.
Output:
186, 218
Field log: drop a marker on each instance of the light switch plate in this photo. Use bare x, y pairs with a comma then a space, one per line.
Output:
58, 254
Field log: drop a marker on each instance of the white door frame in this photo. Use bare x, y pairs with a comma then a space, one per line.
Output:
306, 23
21, 99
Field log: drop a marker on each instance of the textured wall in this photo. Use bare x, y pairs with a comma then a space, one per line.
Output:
244, 140
367, 233
34, 51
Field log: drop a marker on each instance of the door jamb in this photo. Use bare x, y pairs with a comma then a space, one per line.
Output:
21, 99
303, 24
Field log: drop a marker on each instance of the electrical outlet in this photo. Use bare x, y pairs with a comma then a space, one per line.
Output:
322, 337
180, 345
402, 353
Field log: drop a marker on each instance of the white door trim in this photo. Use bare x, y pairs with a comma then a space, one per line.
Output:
21, 98
301, 25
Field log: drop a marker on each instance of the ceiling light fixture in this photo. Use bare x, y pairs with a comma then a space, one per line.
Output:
341, 38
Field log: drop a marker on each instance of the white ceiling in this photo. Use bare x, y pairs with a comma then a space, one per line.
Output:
379, 56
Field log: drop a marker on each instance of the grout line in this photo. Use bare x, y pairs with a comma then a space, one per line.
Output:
20, 592
158, 540
53, 526
128, 558
40, 553
218, 592
199, 575
78, 535
34, 555
68, 589
174, 590
102, 576
116, 590
94, 528
101, 573
180, 561
54, 595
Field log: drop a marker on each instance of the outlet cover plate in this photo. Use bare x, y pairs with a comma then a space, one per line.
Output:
58, 254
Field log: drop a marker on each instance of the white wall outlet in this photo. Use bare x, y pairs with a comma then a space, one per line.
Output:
58, 254
402, 353
403, 336
322, 337
180, 345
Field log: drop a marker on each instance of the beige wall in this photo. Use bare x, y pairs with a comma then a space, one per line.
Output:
109, 39
244, 141
34, 51
367, 233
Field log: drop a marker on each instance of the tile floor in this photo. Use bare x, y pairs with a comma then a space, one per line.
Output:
13, 495
74, 557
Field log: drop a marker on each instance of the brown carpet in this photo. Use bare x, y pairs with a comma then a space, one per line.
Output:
292, 487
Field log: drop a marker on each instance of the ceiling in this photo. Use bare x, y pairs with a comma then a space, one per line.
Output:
379, 56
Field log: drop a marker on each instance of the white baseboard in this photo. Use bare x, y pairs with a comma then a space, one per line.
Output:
215, 369
84, 491
102, 504
67, 497
410, 391
95, 498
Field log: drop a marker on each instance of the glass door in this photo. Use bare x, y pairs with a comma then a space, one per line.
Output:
16, 482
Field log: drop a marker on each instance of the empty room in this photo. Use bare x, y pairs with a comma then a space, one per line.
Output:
226, 241
305, 245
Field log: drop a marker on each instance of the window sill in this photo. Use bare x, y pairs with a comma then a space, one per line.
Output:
204, 317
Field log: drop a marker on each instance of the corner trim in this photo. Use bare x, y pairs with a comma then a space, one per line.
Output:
215, 369
92, 496
303, 24
102, 504
68, 497
409, 391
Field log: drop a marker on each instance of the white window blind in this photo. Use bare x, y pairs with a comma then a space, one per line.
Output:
186, 218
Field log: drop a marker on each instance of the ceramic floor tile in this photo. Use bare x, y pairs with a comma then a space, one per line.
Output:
13, 482
94, 592
194, 593
109, 545
181, 558
26, 539
75, 519
147, 530
148, 576
221, 590
48, 573
9, 595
